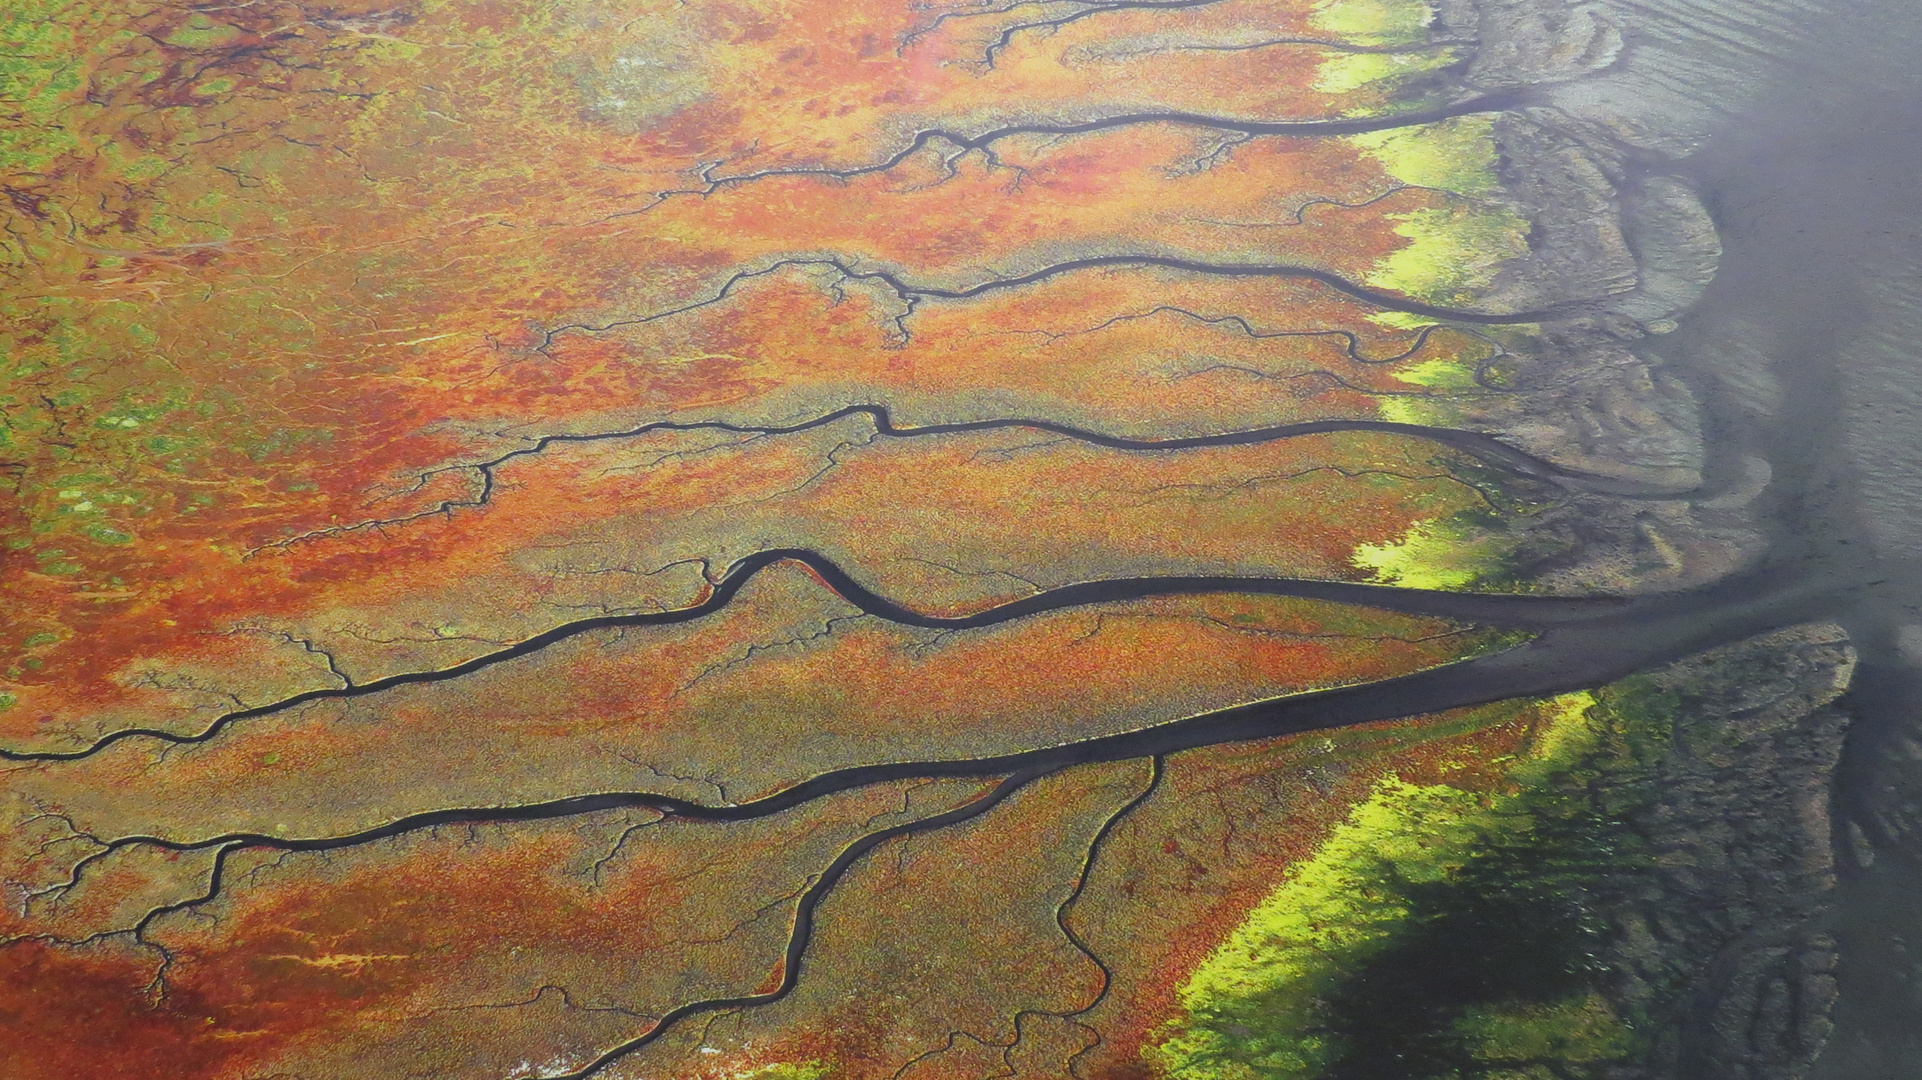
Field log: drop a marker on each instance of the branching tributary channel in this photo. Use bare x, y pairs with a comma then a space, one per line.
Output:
960, 144
1577, 642
1518, 611
1580, 643
1486, 448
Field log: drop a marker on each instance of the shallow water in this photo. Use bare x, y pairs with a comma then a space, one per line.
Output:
1805, 348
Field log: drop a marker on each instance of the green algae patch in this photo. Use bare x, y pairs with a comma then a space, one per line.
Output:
1453, 252
105, 534
1581, 1030
40, 75
1254, 1006
1442, 373
1344, 73
801, 1070
1377, 23
1442, 933
1440, 379
1374, 22
1456, 155
1450, 553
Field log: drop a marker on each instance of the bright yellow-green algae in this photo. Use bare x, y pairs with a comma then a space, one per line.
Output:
1374, 22
1270, 1003
1344, 73
1443, 554
1456, 155
1440, 376
1452, 254
787, 1070
1293, 946
1453, 250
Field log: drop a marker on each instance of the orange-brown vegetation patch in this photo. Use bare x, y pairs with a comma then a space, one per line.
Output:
378, 959
934, 953
594, 528
806, 682
278, 260
1186, 868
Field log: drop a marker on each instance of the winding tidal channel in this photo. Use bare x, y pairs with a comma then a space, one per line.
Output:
1398, 559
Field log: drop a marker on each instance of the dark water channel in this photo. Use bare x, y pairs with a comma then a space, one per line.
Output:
1807, 353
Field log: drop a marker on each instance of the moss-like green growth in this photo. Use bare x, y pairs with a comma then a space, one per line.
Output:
1254, 1007
788, 1070
1345, 73
1377, 22
1444, 554
1579, 1030
1374, 22
1442, 377
1453, 252
1456, 249
1440, 933
39, 74
1456, 155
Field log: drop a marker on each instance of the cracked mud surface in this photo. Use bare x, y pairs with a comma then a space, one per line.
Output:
1092, 539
